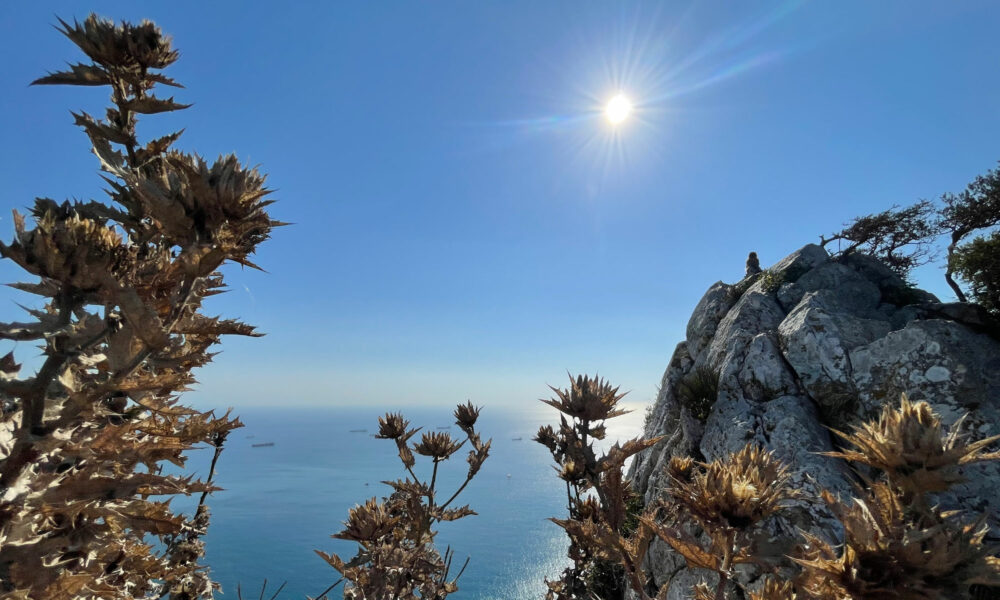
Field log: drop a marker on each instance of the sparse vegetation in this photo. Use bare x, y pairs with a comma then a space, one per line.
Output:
771, 280
736, 291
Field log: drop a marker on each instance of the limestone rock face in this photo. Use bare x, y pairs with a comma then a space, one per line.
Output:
817, 342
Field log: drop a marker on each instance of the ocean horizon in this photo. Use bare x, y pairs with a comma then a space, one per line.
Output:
281, 502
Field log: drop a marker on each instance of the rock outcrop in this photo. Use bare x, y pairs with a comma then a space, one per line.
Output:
811, 343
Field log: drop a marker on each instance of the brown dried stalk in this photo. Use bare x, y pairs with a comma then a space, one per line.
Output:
396, 557
86, 436
597, 494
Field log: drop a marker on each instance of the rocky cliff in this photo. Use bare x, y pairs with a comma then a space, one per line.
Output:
817, 342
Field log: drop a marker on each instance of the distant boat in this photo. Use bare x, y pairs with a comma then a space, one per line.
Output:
359, 431
517, 439
445, 427
263, 445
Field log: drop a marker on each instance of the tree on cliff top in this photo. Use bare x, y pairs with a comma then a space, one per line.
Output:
903, 238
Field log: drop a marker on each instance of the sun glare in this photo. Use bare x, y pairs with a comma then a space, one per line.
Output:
618, 109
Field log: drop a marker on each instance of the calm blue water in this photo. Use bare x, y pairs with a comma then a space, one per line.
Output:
282, 502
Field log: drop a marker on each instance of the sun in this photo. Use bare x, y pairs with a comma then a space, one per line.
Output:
618, 109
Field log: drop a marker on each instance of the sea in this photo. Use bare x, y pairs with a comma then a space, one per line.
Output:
282, 502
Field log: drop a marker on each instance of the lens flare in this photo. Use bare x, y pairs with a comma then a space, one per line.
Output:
618, 109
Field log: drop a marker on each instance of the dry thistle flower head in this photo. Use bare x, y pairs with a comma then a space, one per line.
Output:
910, 445
466, 415
572, 471
66, 247
735, 493
587, 399
438, 445
889, 552
392, 426
218, 204
367, 522
547, 437
141, 46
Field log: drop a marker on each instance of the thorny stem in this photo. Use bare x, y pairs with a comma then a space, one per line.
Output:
220, 439
120, 98
468, 478
727, 561
434, 475
457, 492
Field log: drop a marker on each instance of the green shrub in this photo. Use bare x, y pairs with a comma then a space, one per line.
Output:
978, 264
771, 280
698, 390
736, 291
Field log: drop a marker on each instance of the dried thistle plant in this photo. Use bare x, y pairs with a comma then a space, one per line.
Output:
728, 499
597, 494
911, 447
121, 331
396, 557
896, 543
730, 496
891, 551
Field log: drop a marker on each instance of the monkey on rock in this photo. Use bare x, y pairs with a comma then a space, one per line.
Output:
753, 265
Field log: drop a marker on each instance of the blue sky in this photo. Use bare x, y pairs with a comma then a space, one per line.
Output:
467, 224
